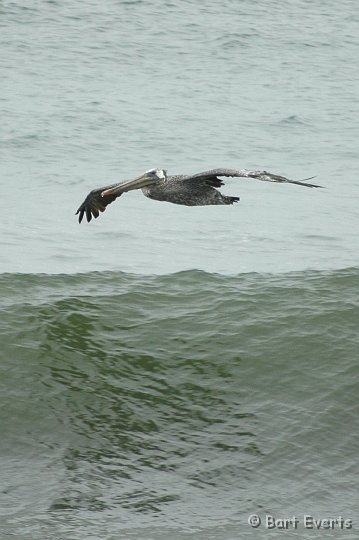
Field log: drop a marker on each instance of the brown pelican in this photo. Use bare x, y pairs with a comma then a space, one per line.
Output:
193, 190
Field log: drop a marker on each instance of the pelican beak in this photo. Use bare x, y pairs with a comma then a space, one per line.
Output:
137, 183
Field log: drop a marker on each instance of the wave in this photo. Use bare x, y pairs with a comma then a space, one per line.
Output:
164, 316
155, 394
19, 285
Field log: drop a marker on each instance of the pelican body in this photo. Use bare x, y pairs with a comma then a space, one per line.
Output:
193, 190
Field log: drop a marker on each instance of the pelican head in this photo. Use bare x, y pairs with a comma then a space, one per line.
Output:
156, 174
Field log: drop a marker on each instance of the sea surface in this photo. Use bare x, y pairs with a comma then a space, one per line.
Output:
167, 371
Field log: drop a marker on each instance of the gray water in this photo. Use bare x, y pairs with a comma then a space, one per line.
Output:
168, 371
95, 92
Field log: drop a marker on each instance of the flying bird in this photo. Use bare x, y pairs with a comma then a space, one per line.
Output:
193, 190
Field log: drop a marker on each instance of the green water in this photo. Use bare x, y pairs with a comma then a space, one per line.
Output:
134, 405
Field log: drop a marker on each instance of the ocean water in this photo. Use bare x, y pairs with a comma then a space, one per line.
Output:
177, 406
169, 371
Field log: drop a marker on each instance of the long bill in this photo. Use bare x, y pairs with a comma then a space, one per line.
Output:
137, 183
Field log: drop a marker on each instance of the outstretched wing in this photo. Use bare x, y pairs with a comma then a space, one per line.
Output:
211, 177
96, 203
